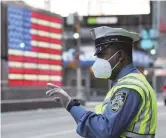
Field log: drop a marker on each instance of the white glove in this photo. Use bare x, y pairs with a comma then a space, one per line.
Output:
59, 94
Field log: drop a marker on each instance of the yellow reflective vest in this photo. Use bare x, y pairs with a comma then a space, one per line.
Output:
143, 125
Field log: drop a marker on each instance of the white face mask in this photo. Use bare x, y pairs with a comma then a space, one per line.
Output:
102, 68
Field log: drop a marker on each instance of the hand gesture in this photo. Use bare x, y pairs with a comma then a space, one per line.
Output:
58, 94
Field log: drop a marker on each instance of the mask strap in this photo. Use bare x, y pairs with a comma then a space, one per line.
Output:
116, 65
118, 61
114, 55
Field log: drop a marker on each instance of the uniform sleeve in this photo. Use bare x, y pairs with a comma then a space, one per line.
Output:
115, 118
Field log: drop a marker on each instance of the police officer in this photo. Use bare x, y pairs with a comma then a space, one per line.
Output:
129, 109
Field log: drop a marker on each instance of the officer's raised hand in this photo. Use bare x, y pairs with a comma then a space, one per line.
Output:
58, 94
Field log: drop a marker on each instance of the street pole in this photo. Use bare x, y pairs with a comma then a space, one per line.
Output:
155, 25
80, 94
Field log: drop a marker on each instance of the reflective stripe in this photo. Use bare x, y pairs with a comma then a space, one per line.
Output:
125, 83
142, 124
147, 129
134, 135
137, 125
131, 83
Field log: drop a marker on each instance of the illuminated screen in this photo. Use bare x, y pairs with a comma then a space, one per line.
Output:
149, 38
34, 48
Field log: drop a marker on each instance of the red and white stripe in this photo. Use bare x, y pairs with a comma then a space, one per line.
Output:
44, 62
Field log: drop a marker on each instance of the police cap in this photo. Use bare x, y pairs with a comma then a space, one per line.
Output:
104, 35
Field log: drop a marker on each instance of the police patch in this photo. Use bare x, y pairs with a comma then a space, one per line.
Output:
118, 100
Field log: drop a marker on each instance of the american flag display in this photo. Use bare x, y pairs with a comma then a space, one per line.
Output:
34, 48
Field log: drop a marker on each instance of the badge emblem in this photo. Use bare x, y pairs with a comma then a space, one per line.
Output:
118, 100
